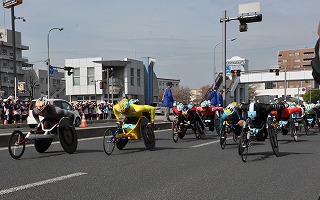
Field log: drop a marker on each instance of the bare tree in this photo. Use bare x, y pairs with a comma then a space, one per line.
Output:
252, 91
31, 82
182, 94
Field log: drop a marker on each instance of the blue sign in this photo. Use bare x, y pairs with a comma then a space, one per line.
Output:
51, 70
227, 70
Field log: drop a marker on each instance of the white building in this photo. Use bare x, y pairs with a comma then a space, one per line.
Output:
95, 79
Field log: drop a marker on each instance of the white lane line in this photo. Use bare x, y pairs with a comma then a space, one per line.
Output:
23, 187
205, 144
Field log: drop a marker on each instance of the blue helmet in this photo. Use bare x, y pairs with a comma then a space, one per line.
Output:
205, 104
185, 110
179, 107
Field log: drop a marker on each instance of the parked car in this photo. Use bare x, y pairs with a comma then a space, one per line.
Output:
159, 108
31, 121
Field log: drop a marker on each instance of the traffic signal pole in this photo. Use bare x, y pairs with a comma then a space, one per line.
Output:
224, 55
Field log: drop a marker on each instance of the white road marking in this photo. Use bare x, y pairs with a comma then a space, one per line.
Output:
205, 144
23, 187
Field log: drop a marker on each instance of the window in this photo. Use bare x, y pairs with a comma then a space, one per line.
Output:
297, 54
132, 76
138, 77
297, 60
90, 73
41, 80
76, 76
285, 61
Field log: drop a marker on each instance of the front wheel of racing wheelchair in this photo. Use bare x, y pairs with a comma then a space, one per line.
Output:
67, 135
147, 133
200, 133
273, 136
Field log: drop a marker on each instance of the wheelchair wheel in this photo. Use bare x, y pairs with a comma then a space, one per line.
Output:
217, 126
183, 131
149, 138
293, 131
16, 150
68, 138
121, 143
175, 135
244, 142
147, 134
223, 137
108, 142
273, 138
42, 145
235, 137
201, 132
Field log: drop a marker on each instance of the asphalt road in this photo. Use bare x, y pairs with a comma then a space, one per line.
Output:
188, 169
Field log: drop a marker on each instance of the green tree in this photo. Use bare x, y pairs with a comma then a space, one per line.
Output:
315, 96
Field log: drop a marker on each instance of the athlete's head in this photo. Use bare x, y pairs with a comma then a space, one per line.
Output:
185, 110
230, 109
42, 104
179, 107
123, 105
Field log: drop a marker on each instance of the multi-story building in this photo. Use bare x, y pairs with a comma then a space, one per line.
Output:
296, 60
7, 79
95, 79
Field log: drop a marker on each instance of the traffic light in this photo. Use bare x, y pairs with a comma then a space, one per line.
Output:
101, 84
110, 72
275, 71
244, 19
236, 72
250, 18
69, 70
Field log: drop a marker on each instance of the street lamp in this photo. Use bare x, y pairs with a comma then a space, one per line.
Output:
214, 58
48, 61
95, 89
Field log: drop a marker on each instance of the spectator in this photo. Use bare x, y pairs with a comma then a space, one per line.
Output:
220, 99
17, 112
214, 96
1, 110
167, 100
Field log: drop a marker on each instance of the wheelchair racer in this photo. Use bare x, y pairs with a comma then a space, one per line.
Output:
189, 115
259, 112
132, 112
311, 114
208, 112
233, 115
51, 113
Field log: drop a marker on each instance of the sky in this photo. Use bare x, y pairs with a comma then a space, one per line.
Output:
179, 34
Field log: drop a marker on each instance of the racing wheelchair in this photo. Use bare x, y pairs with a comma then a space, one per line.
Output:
43, 137
249, 133
179, 131
136, 129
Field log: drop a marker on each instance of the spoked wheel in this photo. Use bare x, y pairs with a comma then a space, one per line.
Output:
223, 137
42, 145
108, 142
174, 128
68, 138
15, 146
244, 142
201, 132
273, 138
293, 131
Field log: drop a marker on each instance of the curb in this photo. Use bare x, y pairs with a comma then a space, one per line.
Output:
86, 132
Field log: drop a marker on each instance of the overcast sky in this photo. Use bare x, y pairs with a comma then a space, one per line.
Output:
179, 34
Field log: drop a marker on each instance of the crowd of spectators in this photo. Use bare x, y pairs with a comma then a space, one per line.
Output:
16, 111
93, 111
13, 111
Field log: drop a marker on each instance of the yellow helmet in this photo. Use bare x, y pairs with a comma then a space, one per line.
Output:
123, 105
230, 108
